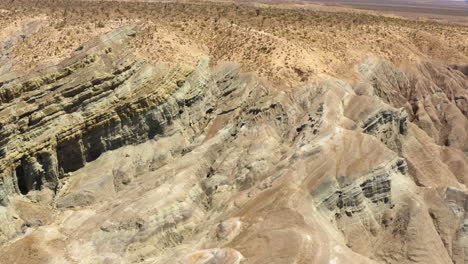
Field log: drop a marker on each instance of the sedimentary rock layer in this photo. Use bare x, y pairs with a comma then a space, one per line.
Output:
105, 158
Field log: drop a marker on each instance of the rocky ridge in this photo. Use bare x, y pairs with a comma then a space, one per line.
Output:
106, 158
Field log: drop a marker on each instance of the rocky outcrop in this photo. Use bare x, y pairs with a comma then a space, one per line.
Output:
84, 109
388, 126
376, 187
434, 95
108, 159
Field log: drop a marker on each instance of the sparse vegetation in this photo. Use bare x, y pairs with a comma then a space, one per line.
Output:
264, 39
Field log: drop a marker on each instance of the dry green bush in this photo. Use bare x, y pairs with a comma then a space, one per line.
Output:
243, 32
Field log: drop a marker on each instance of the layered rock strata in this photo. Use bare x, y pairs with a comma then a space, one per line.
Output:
107, 159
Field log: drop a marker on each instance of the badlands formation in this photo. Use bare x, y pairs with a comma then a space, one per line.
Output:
223, 133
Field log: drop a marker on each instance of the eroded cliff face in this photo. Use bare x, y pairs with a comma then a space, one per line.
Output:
105, 158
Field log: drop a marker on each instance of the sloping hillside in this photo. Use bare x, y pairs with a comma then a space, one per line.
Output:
229, 133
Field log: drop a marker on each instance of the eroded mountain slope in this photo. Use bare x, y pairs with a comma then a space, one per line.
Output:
288, 45
107, 158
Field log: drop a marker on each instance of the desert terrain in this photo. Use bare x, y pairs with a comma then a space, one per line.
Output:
233, 132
